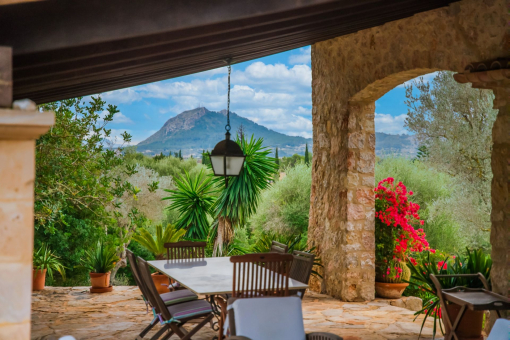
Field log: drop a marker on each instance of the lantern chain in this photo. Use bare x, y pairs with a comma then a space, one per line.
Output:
227, 127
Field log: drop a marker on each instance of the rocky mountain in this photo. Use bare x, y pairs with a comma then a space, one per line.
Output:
200, 129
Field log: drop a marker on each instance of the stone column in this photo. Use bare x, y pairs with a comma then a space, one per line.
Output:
500, 192
18, 132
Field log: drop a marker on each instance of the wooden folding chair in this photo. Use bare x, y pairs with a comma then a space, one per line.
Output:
467, 298
169, 298
264, 274
185, 250
277, 247
301, 269
174, 317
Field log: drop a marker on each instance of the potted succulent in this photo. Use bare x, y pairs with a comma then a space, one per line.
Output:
476, 261
395, 237
44, 261
100, 261
156, 246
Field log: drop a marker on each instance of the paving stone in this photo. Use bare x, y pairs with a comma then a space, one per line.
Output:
121, 314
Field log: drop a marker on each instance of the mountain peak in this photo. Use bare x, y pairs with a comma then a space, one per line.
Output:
200, 129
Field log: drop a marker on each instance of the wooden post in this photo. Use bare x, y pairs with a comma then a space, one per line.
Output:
5, 76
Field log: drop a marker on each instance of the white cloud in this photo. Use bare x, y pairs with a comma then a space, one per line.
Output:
118, 118
390, 124
122, 96
304, 56
147, 116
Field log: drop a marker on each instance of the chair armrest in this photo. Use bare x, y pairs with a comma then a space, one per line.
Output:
322, 336
237, 337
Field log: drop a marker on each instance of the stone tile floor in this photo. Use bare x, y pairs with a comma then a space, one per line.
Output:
58, 311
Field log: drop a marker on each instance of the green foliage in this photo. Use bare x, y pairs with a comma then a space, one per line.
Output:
284, 208
476, 261
422, 154
290, 162
193, 199
239, 200
206, 159
45, 259
277, 159
156, 245
307, 155
101, 259
73, 164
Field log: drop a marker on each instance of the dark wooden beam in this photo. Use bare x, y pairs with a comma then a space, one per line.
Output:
93, 48
5, 76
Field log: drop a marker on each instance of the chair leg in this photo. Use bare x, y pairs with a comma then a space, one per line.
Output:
198, 327
160, 332
147, 329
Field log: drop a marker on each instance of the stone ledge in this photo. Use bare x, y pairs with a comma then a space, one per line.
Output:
24, 125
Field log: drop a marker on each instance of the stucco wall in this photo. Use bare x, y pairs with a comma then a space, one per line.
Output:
349, 74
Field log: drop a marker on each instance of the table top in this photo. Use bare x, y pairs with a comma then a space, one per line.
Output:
208, 276
478, 300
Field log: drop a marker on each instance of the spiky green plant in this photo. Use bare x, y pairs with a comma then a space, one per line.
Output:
193, 200
101, 259
44, 258
475, 262
156, 244
239, 200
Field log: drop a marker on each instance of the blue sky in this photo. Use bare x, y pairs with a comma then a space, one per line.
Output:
274, 91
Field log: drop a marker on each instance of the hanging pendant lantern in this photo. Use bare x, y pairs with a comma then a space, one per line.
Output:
227, 157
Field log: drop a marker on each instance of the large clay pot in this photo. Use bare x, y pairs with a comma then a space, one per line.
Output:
159, 280
470, 327
38, 279
390, 290
100, 280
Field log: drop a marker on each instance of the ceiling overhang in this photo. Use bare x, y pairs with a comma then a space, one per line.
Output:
66, 48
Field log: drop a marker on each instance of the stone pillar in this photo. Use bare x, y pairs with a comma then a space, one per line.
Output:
500, 193
18, 132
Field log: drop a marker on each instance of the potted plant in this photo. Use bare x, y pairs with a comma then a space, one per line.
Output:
44, 261
156, 246
100, 261
475, 262
395, 237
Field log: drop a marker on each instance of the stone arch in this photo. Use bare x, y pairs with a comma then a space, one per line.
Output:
348, 74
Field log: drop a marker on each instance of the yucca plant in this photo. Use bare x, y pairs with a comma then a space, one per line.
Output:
156, 244
102, 259
239, 200
475, 262
193, 200
44, 258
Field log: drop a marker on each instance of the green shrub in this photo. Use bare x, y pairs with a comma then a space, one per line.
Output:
284, 208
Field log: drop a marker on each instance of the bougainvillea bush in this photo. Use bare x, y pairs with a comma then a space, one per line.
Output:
398, 232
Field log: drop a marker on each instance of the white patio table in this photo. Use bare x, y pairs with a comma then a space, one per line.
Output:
210, 276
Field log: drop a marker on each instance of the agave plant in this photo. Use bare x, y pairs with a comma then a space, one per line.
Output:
239, 200
44, 258
156, 245
193, 199
102, 259
475, 262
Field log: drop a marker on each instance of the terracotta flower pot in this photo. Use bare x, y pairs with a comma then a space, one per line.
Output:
390, 290
470, 327
38, 279
159, 280
100, 280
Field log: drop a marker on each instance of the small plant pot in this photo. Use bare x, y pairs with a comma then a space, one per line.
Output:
38, 279
159, 280
390, 290
100, 280
470, 327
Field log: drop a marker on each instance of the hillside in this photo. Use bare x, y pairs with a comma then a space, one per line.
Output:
200, 129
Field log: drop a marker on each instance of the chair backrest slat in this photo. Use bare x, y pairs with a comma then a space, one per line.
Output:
301, 268
258, 275
184, 250
277, 247
153, 295
136, 274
